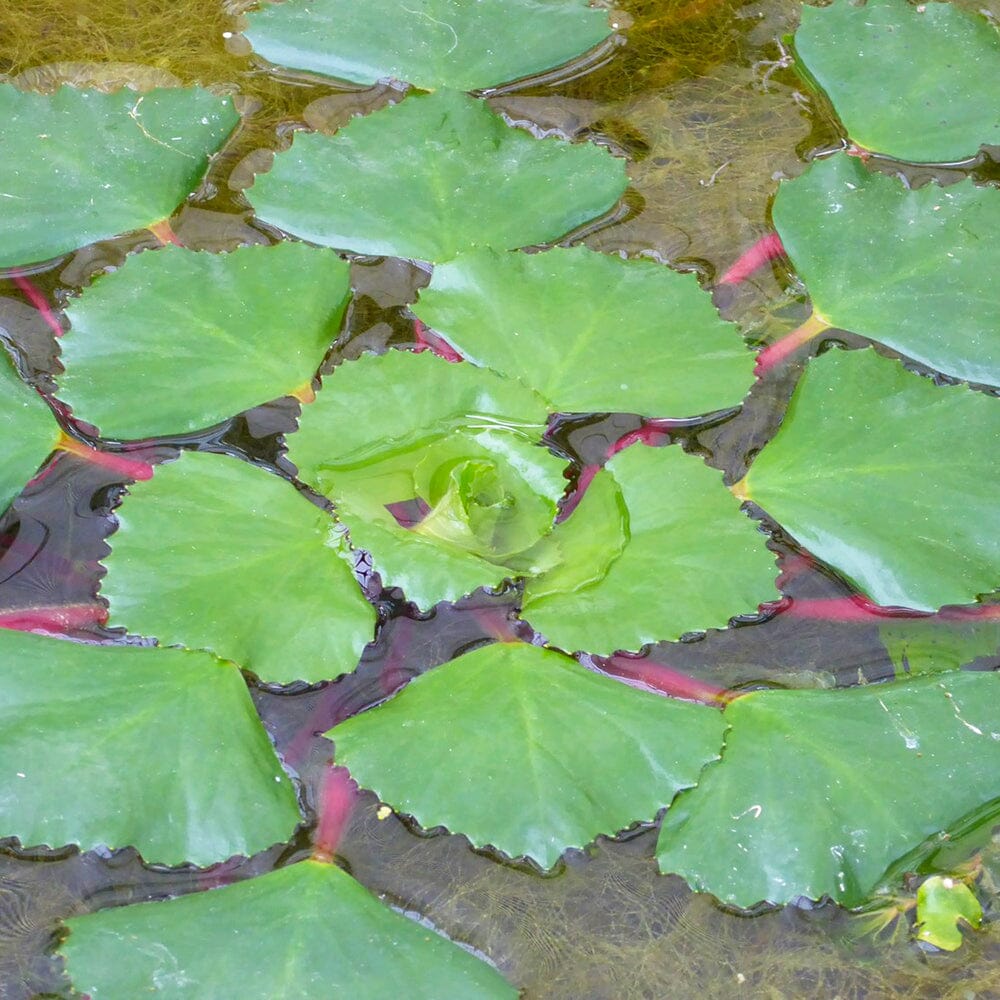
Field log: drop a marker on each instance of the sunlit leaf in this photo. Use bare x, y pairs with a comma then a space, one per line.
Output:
818, 792
91, 165
930, 65
943, 905
158, 749
691, 561
931, 645
889, 478
429, 43
581, 327
29, 431
412, 180
235, 329
913, 269
521, 748
215, 554
303, 931
461, 439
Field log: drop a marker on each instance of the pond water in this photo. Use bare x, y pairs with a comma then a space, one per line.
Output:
702, 101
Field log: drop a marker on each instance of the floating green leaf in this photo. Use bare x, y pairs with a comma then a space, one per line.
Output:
409, 181
913, 269
691, 561
429, 43
215, 554
818, 792
549, 754
29, 431
91, 165
943, 905
889, 478
581, 327
159, 749
931, 645
298, 932
218, 324
461, 439
930, 65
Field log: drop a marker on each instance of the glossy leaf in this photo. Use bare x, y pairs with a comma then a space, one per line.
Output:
30, 431
218, 324
889, 478
91, 165
411, 181
521, 748
912, 269
303, 931
818, 792
691, 561
930, 65
943, 906
580, 328
428, 43
463, 440
215, 554
158, 749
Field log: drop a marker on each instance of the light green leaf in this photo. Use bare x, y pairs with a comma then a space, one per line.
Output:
159, 749
943, 905
490, 745
912, 269
403, 426
580, 328
218, 324
931, 645
889, 478
428, 43
411, 181
297, 933
691, 561
30, 431
215, 554
929, 65
818, 792
91, 165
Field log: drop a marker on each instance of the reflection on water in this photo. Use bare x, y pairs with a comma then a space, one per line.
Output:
702, 101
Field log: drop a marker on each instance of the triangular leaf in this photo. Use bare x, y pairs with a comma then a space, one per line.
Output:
818, 792
429, 43
215, 323
410, 181
912, 269
158, 749
930, 65
215, 554
150, 151
548, 753
304, 931
691, 561
580, 328
889, 478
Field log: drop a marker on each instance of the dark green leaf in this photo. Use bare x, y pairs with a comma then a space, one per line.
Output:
522, 748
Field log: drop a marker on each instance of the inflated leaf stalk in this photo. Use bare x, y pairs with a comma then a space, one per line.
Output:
818, 792
432, 176
116, 746
912, 269
428, 43
303, 931
580, 328
889, 478
235, 329
213, 553
931, 65
523, 749
100, 164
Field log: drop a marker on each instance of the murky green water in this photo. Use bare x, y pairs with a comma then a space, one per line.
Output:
703, 102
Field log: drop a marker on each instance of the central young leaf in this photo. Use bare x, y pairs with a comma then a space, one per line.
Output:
431, 177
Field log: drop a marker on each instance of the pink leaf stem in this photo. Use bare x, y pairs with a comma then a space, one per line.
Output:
661, 679
55, 620
428, 340
774, 354
766, 249
337, 797
127, 468
859, 609
34, 295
